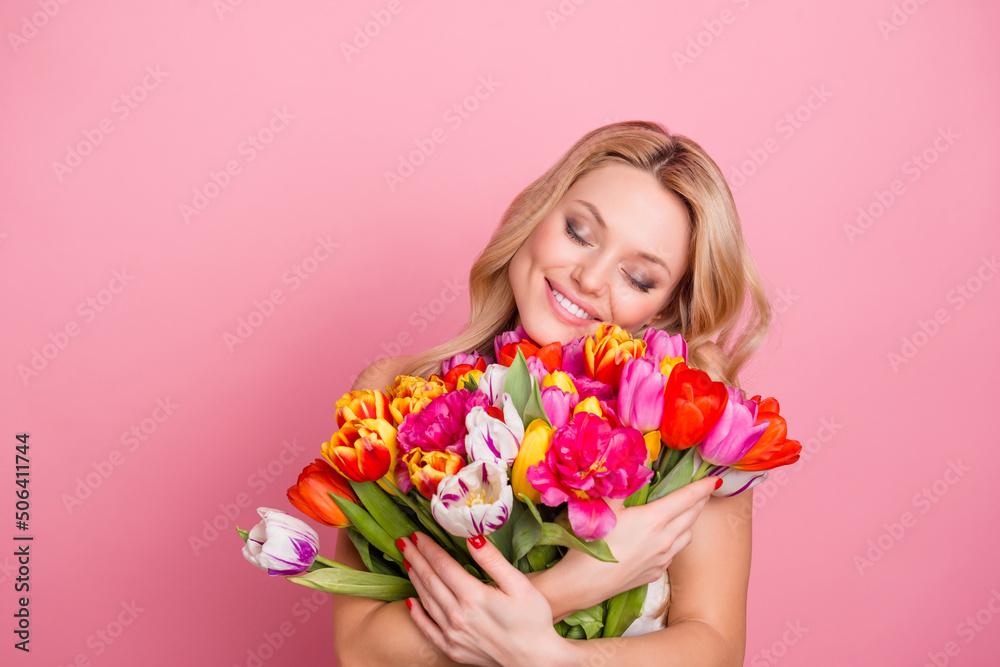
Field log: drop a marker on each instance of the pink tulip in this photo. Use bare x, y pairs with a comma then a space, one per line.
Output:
506, 337
572, 357
660, 344
735, 432
640, 394
440, 426
588, 462
558, 405
464, 358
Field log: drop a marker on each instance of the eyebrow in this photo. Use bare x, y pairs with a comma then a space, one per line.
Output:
645, 255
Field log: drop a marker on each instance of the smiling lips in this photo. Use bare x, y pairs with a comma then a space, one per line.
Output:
569, 307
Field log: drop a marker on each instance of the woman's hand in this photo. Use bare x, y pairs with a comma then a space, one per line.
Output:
644, 541
475, 623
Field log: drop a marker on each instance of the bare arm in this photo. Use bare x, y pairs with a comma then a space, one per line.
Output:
707, 618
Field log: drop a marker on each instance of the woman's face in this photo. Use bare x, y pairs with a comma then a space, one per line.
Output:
615, 246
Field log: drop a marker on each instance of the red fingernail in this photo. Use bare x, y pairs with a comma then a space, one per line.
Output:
409, 603
718, 482
413, 538
478, 542
406, 564
399, 544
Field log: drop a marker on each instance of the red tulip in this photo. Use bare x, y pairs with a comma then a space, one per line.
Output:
550, 355
692, 404
773, 449
311, 494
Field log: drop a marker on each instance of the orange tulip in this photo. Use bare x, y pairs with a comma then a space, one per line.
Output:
692, 404
363, 450
605, 353
363, 404
773, 449
411, 393
311, 494
427, 469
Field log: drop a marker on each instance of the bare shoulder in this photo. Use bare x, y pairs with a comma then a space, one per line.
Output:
380, 373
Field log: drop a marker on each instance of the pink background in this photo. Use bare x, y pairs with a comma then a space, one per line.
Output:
873, 547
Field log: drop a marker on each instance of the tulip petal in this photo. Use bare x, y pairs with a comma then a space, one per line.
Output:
591, 519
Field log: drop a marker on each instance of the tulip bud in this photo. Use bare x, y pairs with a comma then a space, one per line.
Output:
281, 544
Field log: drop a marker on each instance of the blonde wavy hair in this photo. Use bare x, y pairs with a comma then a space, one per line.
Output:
719, 299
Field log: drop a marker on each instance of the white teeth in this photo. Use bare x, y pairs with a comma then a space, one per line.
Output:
572, 307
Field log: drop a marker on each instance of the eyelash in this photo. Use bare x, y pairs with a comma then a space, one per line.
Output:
576, 238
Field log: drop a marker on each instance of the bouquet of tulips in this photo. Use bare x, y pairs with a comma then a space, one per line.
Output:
526, 451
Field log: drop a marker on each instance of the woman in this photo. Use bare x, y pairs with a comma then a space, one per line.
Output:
636, 227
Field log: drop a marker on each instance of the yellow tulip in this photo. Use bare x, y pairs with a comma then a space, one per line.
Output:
560, 379
591, 405
534, 446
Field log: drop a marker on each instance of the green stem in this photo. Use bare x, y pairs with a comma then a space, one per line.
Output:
670, 460
702, 469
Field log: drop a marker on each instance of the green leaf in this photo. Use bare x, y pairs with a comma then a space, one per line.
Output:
541, 556
245, 534
534, 409
370, 528
471, 384
502, 538
676, 478
376, 565
422, 509
384, 510
555, 534
638, 498
527, 530
590, 620
518, 384
347, 581
623, 609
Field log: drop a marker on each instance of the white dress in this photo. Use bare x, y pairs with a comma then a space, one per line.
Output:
656, 595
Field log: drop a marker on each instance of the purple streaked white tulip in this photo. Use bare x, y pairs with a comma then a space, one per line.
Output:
281, 544
491, 382
734, 480
476, 500
489, 439
511, 417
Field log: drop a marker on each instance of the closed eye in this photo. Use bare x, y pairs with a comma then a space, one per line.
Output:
571, 232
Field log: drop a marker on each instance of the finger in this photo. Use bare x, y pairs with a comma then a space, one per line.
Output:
510, 579
459, 583
426, 577
426, 624
430, 602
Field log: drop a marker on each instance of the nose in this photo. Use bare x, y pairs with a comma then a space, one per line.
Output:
591, 277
